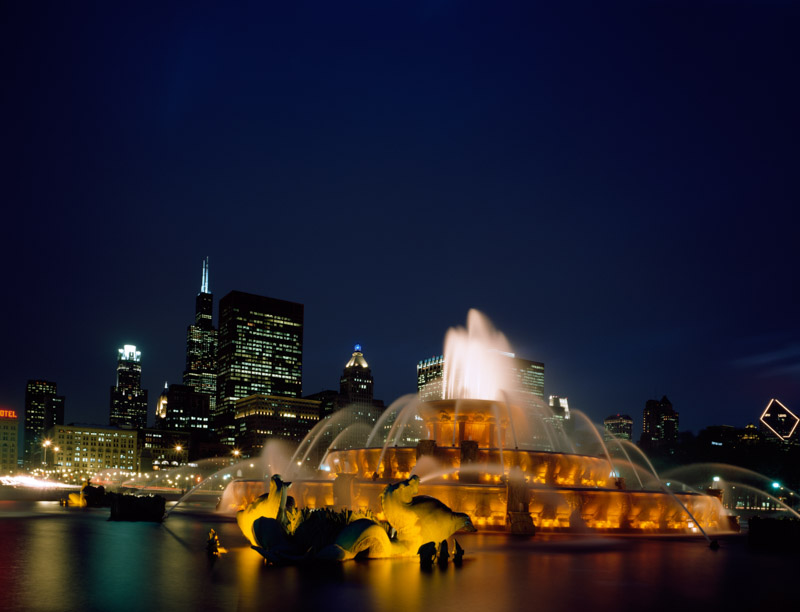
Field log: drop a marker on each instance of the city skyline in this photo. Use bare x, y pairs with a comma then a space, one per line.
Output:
614, 187
638, 419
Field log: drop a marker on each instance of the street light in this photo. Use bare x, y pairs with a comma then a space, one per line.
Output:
45, 444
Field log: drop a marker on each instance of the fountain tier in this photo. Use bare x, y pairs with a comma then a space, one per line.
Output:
469, 462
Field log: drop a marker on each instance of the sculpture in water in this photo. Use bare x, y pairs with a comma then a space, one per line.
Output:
288, 535
269, 505
419, 519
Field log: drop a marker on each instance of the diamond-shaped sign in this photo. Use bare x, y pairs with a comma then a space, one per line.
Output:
780, 420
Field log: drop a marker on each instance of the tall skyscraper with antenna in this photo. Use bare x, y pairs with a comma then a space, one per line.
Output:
201, 345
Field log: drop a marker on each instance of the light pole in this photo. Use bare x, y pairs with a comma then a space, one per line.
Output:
55, 456
45, 444
236, 453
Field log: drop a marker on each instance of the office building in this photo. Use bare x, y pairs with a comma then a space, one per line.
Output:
328, 401
353, 408
128, 399
84, 450
356, 389
161, 449
187, 410
260, 351
528, 376
430, 378
659, 425
619, 426
9, 429
201, 345
44, 408
260, 417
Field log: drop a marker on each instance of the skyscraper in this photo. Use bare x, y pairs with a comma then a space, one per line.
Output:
128, 400
260, 351
187, 410
619, 426
430, 378
356, 394
659, 424
356, 388
354, 404
201, 345
528, 375
44, 408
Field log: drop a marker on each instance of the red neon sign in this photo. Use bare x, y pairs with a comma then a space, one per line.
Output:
8, 414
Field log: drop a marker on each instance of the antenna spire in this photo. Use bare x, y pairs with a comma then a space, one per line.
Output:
204, 284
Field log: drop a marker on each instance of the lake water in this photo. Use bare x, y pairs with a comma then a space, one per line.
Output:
63, 559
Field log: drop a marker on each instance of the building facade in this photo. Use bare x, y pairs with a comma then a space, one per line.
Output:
187, 409
260, 417
659, 424
9, 429
356, 389
161, 449
430, 378
44, 408
260, 351
128, 406
619, 426
201, 345
527, 375
84, 450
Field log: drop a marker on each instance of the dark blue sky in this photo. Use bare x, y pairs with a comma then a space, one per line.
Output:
614, 186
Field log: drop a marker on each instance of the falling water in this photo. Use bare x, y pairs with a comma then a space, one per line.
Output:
351, 431
628, 457
765, 494
597, 435
396, 408
510, 417
675, 497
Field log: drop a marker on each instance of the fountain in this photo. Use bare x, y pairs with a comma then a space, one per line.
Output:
494, 453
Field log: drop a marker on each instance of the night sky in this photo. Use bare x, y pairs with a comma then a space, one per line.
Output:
615, 186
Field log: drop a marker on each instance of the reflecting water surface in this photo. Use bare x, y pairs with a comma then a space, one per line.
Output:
54, 558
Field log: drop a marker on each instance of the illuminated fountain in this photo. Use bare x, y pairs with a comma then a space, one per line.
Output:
493, 452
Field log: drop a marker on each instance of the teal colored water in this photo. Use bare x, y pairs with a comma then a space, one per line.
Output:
54, 558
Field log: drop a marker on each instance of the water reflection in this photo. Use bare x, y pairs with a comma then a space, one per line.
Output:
74, 559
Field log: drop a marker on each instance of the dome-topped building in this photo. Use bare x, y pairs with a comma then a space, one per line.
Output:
356, 384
